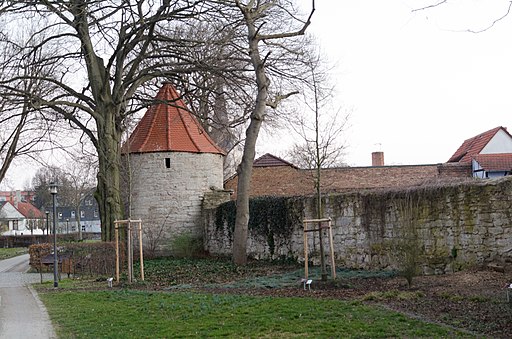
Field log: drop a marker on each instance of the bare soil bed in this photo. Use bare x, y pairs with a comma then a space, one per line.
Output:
475, 301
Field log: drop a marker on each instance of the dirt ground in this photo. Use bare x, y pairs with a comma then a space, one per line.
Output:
475, 301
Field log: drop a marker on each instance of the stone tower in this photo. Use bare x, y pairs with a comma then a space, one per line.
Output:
172, 163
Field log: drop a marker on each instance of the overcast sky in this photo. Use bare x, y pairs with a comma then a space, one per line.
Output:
417, 83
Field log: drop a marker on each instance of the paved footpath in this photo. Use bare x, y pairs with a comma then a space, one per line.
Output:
22, 314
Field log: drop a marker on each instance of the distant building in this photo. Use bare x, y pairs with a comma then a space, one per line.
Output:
22, 196
87, 215
489, 153
21, 218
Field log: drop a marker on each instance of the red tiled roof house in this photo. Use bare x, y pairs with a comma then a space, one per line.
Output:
172, 164
20, 218
490, 153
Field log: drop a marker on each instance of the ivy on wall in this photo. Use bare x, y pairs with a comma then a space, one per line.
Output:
272, 218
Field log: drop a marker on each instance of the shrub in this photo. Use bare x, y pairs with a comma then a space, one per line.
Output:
186, 245
37, 252
96, 258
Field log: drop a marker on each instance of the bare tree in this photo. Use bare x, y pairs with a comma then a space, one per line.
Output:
506, 11
102, 55
271, 27
107, 57
321, 127
219, 94
79, 173
24, 130
40, 185
321, 144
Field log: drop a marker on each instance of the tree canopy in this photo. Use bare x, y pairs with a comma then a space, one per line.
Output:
101, 61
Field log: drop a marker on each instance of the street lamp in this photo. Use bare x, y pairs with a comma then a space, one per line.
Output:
47, 224
53, 191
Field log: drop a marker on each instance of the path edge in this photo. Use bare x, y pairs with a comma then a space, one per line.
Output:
44, 312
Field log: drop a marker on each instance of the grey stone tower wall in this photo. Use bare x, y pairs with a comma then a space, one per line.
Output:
167, 190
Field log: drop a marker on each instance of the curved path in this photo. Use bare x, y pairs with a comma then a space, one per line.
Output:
22, 314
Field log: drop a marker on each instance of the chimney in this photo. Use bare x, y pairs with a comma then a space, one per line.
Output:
17, 200
378, 159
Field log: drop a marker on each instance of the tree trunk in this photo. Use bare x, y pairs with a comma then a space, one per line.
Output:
243, 192
318, 183
78, 219
245, 167
109, 157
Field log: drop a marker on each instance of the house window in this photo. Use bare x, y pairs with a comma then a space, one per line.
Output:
82, 214
88, 202
60, 215
167, 162
95, 213
15, 225
73, 214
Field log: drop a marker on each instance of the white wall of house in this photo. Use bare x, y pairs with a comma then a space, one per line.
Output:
17, 223
89, 226
500, 143
15, 220
479, 172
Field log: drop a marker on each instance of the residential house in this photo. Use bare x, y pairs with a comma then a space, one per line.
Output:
20, 218
68, 217
11, 196
489, 153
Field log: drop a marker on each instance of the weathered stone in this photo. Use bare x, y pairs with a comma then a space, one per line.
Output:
168, 200
469, 218
496, 267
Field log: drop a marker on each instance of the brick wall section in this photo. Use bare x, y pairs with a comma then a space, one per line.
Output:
288, 181
280, 180
169, 200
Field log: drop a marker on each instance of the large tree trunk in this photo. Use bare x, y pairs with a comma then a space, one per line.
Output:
243, 192
108, 193
252, 12
245, 167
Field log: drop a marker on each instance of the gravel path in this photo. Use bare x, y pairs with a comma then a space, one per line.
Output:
22, 314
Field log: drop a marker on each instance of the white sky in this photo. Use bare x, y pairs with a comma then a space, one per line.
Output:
418, 86
416, 83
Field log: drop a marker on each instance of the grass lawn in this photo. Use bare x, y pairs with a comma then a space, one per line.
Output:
6, 253
141, 314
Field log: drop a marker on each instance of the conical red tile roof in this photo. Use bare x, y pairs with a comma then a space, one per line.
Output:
167, 126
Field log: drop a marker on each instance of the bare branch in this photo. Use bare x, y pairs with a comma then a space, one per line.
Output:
429, 6
495, 21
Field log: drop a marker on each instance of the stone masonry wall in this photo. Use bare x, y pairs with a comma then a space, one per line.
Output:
169, 200
453, 227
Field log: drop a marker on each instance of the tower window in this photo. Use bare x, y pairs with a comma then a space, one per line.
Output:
167, 162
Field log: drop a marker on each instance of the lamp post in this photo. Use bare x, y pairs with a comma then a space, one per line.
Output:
53, 191
47, 224
67, 225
